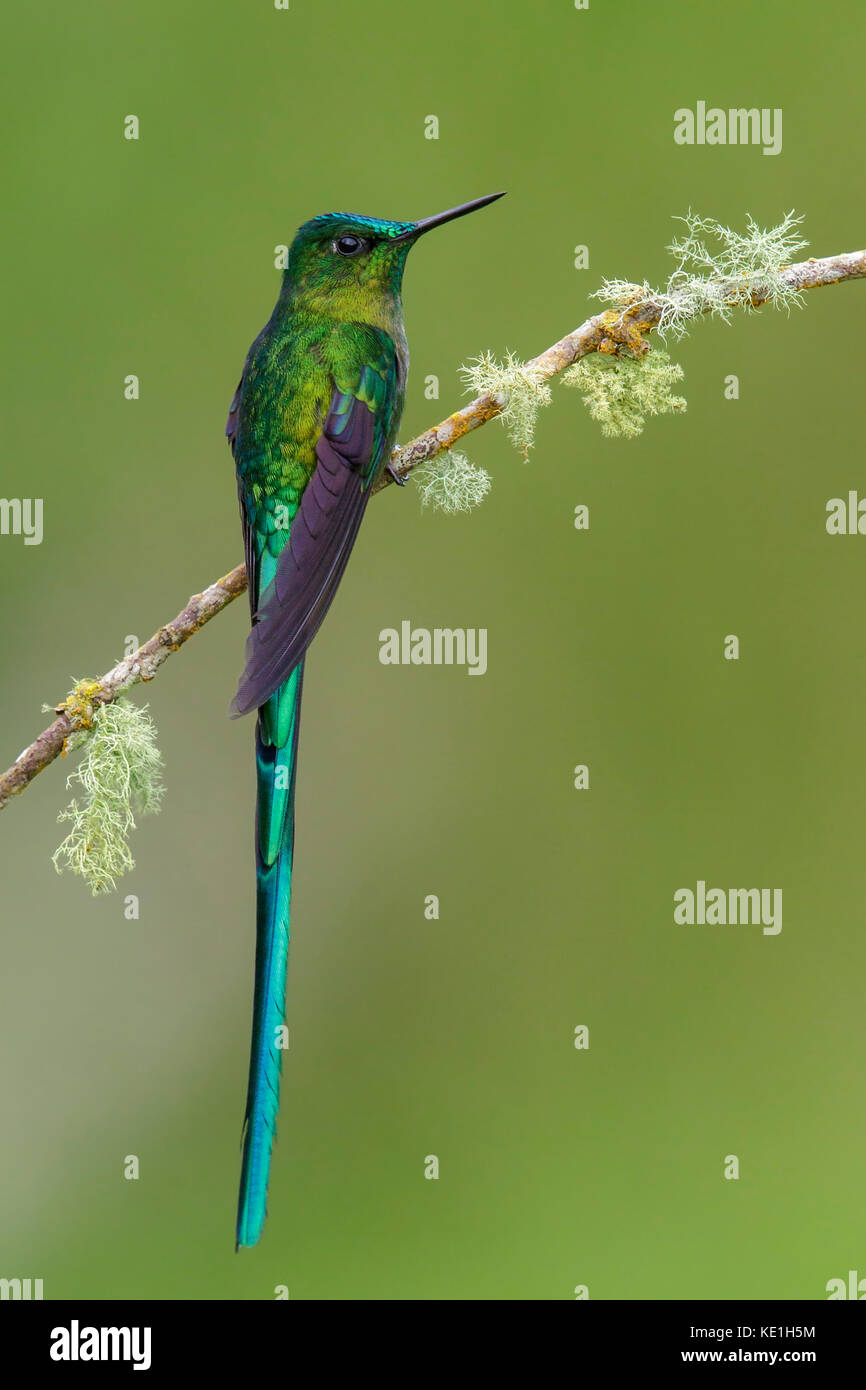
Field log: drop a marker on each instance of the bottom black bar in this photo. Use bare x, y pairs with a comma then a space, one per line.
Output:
65, 1338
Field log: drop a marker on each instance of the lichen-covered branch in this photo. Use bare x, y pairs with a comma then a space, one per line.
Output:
76, 714
613, 331
623, 328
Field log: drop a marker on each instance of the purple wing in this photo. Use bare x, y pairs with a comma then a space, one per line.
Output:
249, 545
320, 542
232, 421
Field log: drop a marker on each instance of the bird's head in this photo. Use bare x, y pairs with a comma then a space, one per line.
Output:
341, 261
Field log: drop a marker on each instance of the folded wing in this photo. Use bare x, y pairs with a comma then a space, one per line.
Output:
320, 542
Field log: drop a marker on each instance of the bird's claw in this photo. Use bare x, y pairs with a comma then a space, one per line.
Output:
395, 476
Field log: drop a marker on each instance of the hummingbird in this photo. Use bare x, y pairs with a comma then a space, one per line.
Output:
311, 427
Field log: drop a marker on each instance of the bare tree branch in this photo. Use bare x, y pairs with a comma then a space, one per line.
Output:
608, 332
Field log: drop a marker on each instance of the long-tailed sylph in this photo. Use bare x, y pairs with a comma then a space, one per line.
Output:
311, 427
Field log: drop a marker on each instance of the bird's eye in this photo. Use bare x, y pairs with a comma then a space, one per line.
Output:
349, 245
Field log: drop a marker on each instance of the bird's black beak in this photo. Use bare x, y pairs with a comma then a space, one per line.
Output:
427, 222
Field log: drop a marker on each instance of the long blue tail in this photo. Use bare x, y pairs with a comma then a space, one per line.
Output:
276, 766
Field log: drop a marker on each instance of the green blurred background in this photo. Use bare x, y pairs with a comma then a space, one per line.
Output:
454, 1037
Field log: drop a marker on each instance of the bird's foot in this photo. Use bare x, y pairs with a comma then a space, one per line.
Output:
394, 475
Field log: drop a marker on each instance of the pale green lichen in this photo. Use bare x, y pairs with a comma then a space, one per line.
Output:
621, 391
450, 483
120, 773
519, 387
718, 270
